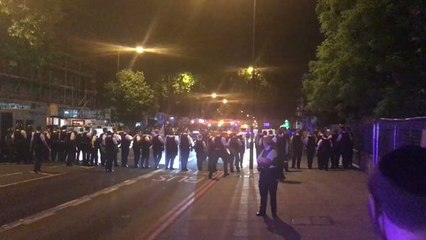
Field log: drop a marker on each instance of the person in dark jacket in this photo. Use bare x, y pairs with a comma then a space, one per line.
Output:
185, 146
311, 145
157, 148
171, 151
267, 177
200, 148
40, 148
234, 145
126, 140
146, 143
297, 146
324, 148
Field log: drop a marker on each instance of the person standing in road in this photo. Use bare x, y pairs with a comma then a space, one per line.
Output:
71, 146
234, 145
40, 148
185, 146
157, 148
111, 146
126, 139
200, 148
281, 148
346, 147
324, 151
297, 145
335, 151
171, 151
242, 149
95, 144
18, 142
117, 138
102, 147
137, 139
218, 150
267, 177
146, 143
311, 145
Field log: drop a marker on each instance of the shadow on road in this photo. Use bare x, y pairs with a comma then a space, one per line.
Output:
278, 227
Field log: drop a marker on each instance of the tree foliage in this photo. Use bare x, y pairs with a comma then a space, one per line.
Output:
372, 60
131, 95
27, 27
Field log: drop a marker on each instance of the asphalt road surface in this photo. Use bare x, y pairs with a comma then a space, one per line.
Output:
87, 203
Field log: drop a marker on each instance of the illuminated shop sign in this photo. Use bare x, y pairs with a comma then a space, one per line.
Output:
15, 106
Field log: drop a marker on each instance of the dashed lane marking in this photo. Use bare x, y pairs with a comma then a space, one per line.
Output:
45, 175
11, 174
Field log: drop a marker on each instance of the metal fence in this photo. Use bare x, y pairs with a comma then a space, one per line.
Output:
373, 140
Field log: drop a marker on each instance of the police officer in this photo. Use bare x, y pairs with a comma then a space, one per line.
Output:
117, 138
71, 146
310, 148
297, 145
146, 143
157, 148
126, 139
171, 151
111, 146
346, 147
137, 148
200, 148
61, 146
18, 142
40, 148
267, 177
102, 146
218, 150
234, 145
242, 149
281, 148
185, 145
95, 144
324, 149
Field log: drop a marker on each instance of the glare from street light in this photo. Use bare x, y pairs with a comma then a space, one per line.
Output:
214, 95
225, 101
139, 49
250, 70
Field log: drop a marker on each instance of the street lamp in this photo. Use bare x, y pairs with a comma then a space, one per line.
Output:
225, 101
214, 95
138, 50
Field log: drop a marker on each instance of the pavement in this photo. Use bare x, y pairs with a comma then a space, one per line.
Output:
312, 204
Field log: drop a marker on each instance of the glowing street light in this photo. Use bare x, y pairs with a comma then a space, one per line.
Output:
225, 101
214, 95
137, 49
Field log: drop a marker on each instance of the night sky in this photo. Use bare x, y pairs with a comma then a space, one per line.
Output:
208, 38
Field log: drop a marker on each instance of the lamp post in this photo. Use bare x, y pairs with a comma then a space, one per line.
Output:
253, 76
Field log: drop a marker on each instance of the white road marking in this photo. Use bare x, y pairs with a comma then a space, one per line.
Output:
11, 174
31, 180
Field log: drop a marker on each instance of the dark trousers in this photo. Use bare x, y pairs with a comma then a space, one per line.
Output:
323, 160
54, 152
39, 155
62, 152
157, 157
297, 158
335, 156
114, 157
71, 154
19, 153
109, 159
268, 184
241, 158
170, 159
184, 155
347, 158
145, 158
213, 159
201, 157
94, 156
103, 155
124, 156
136, 156
310, 157
234, 159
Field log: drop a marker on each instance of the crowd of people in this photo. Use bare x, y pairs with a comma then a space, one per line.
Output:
85, 146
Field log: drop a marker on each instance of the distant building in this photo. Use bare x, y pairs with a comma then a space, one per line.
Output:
44, 97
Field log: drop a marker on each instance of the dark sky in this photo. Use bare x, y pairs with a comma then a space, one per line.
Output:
209, 36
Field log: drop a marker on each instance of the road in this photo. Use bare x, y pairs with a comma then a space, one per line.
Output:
87, 203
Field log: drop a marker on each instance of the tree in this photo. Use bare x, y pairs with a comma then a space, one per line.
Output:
172, 90
131, 95
372, 60
27, 28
